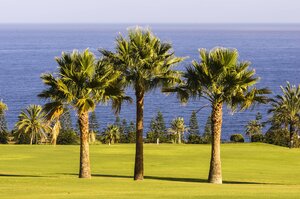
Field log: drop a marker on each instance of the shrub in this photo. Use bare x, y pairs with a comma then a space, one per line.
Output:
194, 139
3, 137
21, 138
278, 137
67, 137
257, 138
237, 138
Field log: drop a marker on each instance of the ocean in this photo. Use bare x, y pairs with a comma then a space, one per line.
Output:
27, 50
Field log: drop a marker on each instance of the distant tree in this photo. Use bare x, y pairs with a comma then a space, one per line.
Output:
158, 131
286, 111
93, 127
53, 111
193, 125
237, 138
68, 137
207, 135
32, 122
3, 124
254, 127
124, 131
178, 129
66, 120
117, 121
111, 134
132, 132
194, 134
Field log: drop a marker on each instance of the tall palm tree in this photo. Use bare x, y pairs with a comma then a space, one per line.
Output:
221, 79
112, 134
146, 63
32, 122
82, 82
286, 108
178, 128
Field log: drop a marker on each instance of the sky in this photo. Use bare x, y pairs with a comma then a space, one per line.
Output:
149, 11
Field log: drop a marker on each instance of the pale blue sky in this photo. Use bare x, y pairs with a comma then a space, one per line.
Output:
149, 11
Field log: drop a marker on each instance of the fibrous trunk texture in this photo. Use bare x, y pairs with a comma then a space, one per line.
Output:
84, 166
215, 171
139, 159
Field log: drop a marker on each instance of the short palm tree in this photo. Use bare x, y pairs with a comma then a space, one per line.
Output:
146, 63
221, 79
54, 111
3, 123
178, 128
82, 82
286, 108
32, 122
112, 134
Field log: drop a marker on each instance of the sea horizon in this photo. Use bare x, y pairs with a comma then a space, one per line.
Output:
29, 50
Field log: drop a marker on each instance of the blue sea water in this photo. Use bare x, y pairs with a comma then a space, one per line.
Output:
26, 51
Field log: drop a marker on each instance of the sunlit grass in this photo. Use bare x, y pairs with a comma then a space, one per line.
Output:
172, 171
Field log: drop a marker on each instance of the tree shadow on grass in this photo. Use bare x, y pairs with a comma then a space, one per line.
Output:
196, 180
21, 175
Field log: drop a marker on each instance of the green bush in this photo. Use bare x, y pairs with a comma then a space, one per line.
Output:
237, 138
3, 137
194, 139
21, 138
278, 137
67, 137
257, 138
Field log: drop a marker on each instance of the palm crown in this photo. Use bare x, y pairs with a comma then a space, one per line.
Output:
288, 104
220, 78
145, 61
286, 109
32, 121
82, 81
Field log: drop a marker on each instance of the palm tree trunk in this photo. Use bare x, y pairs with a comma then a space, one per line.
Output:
84, 167
179, 138
31, 138
292, 129
55, 132
139, 159
215, 171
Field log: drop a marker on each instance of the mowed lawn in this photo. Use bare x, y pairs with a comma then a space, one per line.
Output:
172, 171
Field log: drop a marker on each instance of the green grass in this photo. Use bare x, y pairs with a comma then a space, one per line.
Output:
172, 171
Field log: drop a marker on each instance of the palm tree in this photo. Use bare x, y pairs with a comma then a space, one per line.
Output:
3, 107
112, 134
82, 82
286, 108
3, 124
32, 122
54, 111
221, 79
146, 63
178, 128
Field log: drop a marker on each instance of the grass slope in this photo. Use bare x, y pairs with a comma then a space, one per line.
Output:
172, 171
